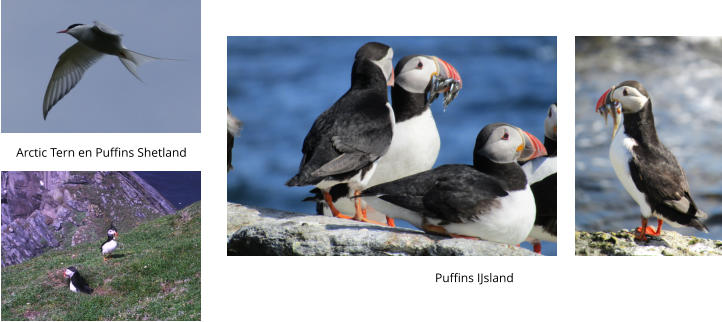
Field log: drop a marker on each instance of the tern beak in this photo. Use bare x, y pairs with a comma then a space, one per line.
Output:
532, 147
62, 31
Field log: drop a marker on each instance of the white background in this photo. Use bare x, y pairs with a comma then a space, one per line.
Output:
558, 288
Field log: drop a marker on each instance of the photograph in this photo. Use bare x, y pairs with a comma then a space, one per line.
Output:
101, 245
648, 179
113, 67
391, 145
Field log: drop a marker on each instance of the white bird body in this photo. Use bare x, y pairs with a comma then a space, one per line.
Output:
109, 247
93, 42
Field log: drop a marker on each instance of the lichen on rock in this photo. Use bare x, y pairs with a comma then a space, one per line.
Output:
622, 243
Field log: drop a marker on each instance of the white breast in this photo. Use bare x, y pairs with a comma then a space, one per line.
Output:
509, 224
109, 247
414, 148
72, 287
620, 153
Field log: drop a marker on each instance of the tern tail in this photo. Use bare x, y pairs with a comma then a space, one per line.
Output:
131, 60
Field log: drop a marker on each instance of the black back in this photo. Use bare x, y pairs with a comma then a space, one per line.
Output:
354, 132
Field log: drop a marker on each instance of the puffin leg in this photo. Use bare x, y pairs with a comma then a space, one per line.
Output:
360, 212
334, 211
644, 231
390, 222
659, 228
537, 247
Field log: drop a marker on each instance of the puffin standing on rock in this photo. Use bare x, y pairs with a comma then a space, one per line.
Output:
490, 200
77, 283
234, 126
347, 140
416, 142
542, 176
109, 245
647, 169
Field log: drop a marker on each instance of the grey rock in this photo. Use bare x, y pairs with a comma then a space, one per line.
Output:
273, 232
622, 243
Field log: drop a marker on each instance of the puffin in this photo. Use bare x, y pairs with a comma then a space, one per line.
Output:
542, 175
77, 283
110, 244
419, 80
346, 141
490, 199
234, 126
648, 171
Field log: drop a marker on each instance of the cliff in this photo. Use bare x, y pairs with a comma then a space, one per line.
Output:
59, 209
273, 232
622, 243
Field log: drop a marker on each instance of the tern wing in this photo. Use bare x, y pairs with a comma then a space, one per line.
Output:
106, 29
68, 71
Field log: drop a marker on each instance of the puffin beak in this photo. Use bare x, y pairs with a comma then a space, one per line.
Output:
392, 79
446, 80
531, 148
116, 234
606, 105
65, 275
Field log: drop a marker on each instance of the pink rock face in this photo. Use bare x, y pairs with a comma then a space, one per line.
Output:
46, 210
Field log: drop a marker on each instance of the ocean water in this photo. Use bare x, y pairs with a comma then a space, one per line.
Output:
181, 188
682, 77
278, 86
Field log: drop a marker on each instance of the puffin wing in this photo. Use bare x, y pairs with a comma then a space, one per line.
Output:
350, 135
660, 178
463, 197
71, 66
82, 284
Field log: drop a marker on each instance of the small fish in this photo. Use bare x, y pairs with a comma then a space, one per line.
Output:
449, 86
614, 108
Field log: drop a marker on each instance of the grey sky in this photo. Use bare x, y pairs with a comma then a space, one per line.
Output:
108, 98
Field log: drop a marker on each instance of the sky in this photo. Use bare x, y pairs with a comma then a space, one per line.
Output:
108, 98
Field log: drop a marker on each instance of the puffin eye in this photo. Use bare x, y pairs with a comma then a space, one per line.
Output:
420, 65
624, 92
505, 136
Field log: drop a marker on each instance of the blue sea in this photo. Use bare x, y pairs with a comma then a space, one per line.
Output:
278, 86
181, 188
682, 77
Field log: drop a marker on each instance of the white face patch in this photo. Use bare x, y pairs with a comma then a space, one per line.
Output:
69, 273
416, 74
632, 100
501, 146
386, 64
111, 232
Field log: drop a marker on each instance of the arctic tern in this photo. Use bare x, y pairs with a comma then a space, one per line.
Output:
93, 41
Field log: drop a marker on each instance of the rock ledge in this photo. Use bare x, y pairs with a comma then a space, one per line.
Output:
622, 243
273, 232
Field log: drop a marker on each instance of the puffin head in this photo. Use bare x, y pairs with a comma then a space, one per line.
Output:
381, 55
429, 75
505, 143
630, 94
112, 233
550, 122
70, 271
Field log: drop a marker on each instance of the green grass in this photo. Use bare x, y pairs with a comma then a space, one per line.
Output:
155, 274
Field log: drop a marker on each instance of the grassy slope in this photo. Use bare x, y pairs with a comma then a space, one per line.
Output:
155, 274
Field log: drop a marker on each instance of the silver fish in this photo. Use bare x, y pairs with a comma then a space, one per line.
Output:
448, 86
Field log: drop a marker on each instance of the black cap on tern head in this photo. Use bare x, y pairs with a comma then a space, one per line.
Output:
74, 25
372, 51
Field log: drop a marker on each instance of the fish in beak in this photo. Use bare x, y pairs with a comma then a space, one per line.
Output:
531, 148
446, 80
606, 105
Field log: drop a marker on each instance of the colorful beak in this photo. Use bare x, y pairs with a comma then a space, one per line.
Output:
605, 99
447, 80
116, 234
62, 31
391, 81
532, 148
